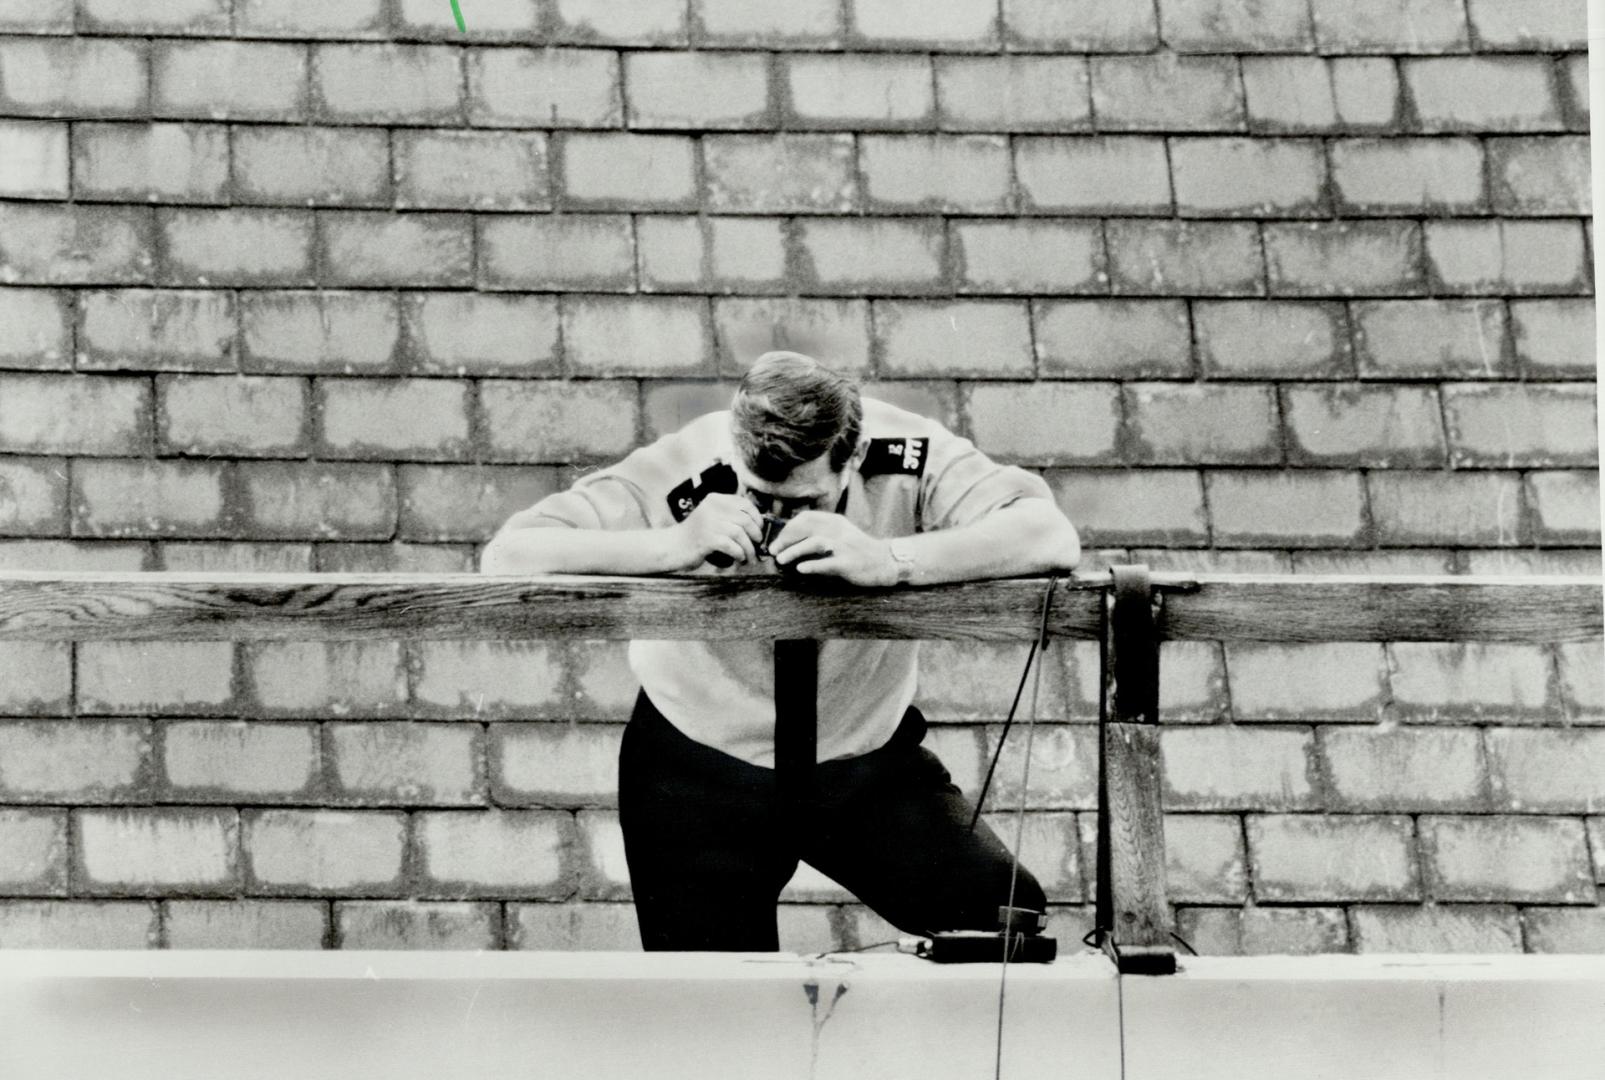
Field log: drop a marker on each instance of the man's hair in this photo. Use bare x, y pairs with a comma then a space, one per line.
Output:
790, 409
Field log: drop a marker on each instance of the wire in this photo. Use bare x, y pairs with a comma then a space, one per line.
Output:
1040, 640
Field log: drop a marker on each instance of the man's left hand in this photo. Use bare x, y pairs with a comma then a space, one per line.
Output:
816, 542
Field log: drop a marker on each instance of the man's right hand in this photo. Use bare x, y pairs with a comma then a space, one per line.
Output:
728, 525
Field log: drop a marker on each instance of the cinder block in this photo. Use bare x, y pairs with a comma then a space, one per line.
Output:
1311, 857
1507, 858
1564, 506
579, 927
381, 83
141, 330
406, 764
1547, 770
1554, 338
605, 687
938, 400
1521, 424
889, 257
1536, 25
599, 855
1272, 338
373, 247
1391, 769
239, 415
307, 166
35, 329
311, 19
323, 852
486, 680
1436, 508
1508, 258
76, 245
1078, 339
78, 924
1408, 175
684, 254
1225, 767
466, 502
471, 170
417, 924
484, 853
246, 924
1167, 92
1035, 257
1389, 26
559, 422
1540, 176
1289, 94
48, 17
59, 555
1484, 94
1332, 681
768, 23
643, 22
85, 761
236, 246
1469, 681
558, 88
505, 20
559, 765
229, 80
1080, 25
1427, 338
560, 252
1292, 509
669, 405
1193, 686
148, 162
619, 170
1436, 928
244, 557
114, 499
188, 17
1347, 258
1383, 426
1013, 93
324, 679
782, 173
1046, 423
1217, 258
1244, 177
155, 851
400, 419
318, 332
232, 761
470, 333
968, 681
33, 493
1264, 931
603, 336
946, 25
1565, 930
1064, 767
170, 677
33, 854
33, 160
396, 558
1227, 26
858, 92
1202, 424
1204, 859
1093, 174
835, 331
1050, 848
707, 91
978, 338
76, 78
318, 501
937, 173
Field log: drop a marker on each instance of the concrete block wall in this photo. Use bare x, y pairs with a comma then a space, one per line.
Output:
1289, 285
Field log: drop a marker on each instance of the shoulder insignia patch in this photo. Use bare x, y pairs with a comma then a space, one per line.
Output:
719, 478
895, 457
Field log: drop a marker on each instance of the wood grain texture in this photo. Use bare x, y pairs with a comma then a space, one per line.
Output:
1135, 834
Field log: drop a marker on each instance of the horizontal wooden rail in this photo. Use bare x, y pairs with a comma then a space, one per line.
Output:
328, 607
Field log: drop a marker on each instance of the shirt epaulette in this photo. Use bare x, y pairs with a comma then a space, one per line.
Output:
895, 457
718, 478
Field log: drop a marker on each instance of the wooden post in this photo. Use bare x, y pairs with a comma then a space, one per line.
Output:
1132, 907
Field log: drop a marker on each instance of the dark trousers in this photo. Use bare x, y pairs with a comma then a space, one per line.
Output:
709, 846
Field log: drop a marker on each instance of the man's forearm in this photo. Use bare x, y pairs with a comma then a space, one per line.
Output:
558, 550
1028, 537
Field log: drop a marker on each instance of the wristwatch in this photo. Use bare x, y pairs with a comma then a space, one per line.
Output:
903, 559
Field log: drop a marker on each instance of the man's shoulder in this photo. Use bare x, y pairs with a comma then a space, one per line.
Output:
900, 441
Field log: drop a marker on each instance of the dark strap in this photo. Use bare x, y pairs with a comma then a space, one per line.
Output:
796, 722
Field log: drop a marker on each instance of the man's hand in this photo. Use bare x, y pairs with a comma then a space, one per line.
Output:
728, 525
816, 542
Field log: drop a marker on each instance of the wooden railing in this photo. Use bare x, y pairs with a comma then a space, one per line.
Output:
1128, 610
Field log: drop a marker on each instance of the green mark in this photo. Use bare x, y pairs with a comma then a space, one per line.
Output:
458, 13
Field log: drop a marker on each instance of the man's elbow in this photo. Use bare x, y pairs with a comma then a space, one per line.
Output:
1052, 540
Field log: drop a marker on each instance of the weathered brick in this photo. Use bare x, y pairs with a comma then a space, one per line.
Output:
48, 17
387, 84
1564, 507
396, 558
495, 853
1424, 338
1408, 175
171, 677
1258, 931
1202, 424
35, 678
1045, 424
489, 680
1596, 839
477, 334
400, 419
416, 924
1565, 930
1294, 509
835, 331
1220, 767
1289, 94
56, 556
471, 170
1435, 681
605, 688
140, 330
35, 329
1243, 177
145, 162
325, 679
958, 25
1436, 508
1552, 561
33, 493
619, 170
578, 927
1511, 258
1064, 769
1540, 176
768, 23
705, 254
1521, 424
644, 22
75, 245
406, 764
1080, 25
155, 851
959, 748
1574, 83
243, 557
33, 160
1204, 858
1219, 258
1411, 562
1050, 848
240, 415
938, 400
559, 422
1484, 94
1013, 93
1093, 174
33, 854
1078, 339
1368, 92
1339, 681
555, 764
1403, 770
311, 19
1506, 858
229, 80
783, 173
1364, 425
604, 336
318, 501
668, 405
858, 92
1547, 770
1034, 257
1344, 258
78, 924
374, 247
969, 681
1389, 26
983, 339
1536, 25
74, 77
199, 17
599, 855
564, 251
236, 247
1313, 857
558, 88
504, 20
315, 332
312, 166
1208, 561
1272, 338
323, 852
148, 498
873, 256
1193, 687
1167, 92
936, 173
701, 90
1436, 928
466, 503
1554, 338
1225, 26
246, 924
236, 760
